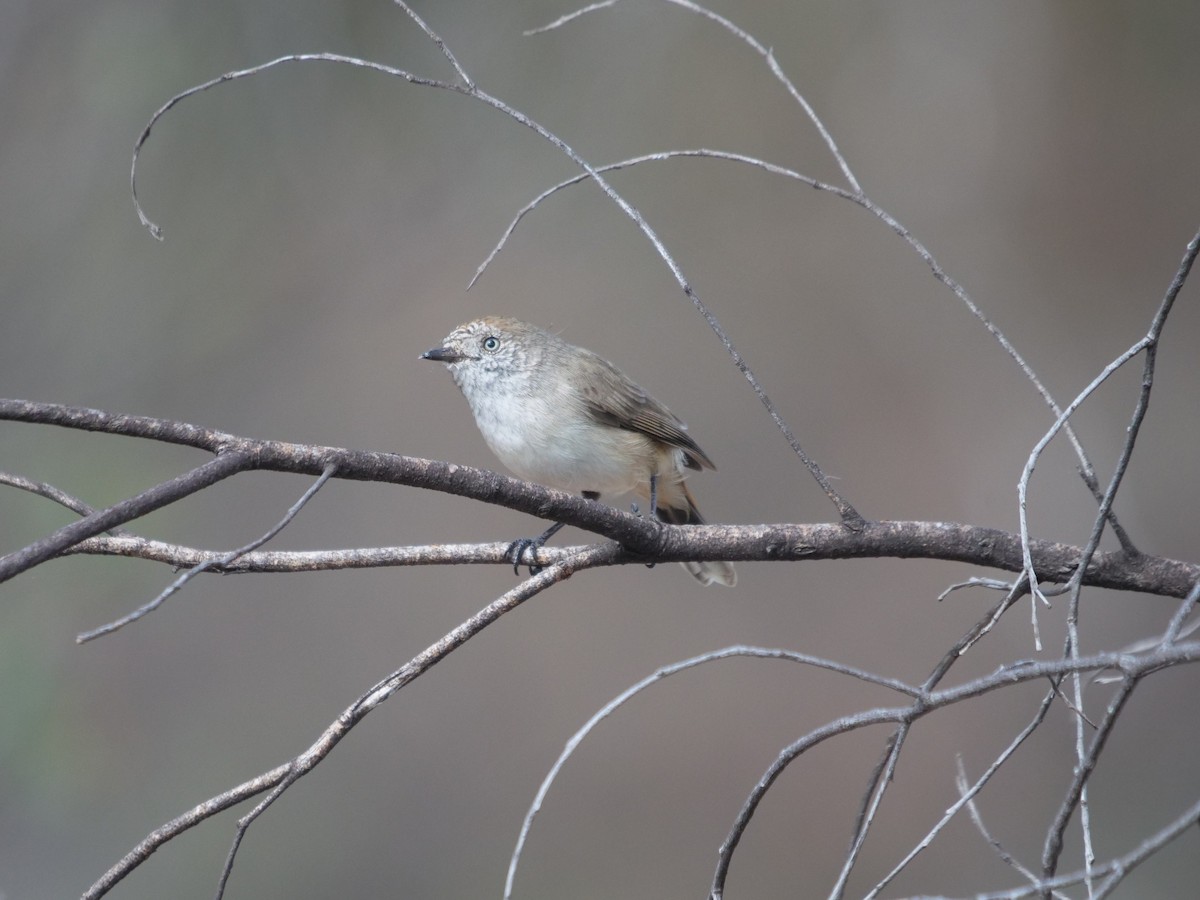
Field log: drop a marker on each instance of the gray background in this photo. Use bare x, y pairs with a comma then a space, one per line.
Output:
321, 226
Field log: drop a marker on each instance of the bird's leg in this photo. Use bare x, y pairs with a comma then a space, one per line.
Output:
653, 503
636, 510
518, 547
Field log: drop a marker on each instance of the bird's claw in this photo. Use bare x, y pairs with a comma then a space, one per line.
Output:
517, 549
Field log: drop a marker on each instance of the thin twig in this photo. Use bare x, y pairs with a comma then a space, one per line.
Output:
665, 672
223, 466
1114, 870
1132, 667
1038, 448
966, 796
439, 43
994, 584
882, 775
220, 562
877, 785
1175, 629
1083, 771
1085, 758
157, 231
402, 677
50, 492
768, 55
1118, 869
303, 763
750, 41
698, 153
1149, 343
563, 20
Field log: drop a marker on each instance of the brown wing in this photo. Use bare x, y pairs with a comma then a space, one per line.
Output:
615, 400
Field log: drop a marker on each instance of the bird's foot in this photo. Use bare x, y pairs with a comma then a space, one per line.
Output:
518, 547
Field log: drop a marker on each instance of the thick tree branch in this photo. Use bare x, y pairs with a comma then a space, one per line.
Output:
641, 539
224, 465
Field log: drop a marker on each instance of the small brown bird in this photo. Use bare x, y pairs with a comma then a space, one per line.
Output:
561, 416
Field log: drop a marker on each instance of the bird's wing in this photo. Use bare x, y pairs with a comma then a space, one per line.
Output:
613, 399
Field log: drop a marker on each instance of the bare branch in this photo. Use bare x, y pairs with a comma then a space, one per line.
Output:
778, 72
563, 20
153, 228
755, 45
160, 495
700, 153
877, 785
1086, 758
1114, 870
1131, 667
287, 774
967, 795
294, 561
637, 540
994, 584
642, 540
441, 45
1117, 869
168, 830
884, 772
1083, 772
50, 492
222, 561
1150, 344
1175, 629
665, 672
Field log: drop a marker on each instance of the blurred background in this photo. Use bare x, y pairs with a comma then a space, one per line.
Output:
321, 224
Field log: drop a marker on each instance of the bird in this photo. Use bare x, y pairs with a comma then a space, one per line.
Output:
565, 417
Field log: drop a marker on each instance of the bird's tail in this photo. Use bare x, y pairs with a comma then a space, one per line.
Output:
709, 572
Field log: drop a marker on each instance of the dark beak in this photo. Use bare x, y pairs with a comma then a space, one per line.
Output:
443, 354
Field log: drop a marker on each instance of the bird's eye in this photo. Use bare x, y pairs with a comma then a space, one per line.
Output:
491, 343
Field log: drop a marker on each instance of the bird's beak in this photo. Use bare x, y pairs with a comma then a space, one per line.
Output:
443, 354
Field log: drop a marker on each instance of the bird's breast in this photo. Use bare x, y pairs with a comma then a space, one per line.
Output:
558, 444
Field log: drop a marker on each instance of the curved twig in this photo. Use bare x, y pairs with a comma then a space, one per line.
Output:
665, 672
223, 560
50, 492
280, 777
1132, 667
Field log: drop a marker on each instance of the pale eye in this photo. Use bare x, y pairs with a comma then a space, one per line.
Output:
491, 343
